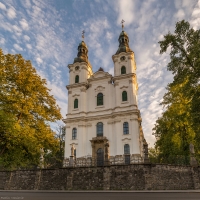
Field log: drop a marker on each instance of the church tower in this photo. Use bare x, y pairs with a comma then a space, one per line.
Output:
103, 121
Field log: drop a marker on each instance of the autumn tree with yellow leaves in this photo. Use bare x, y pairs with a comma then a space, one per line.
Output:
26, 108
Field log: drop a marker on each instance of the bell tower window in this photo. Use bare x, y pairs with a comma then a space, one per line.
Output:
123, 70
99, 99
76, 103
77, 79
124, 96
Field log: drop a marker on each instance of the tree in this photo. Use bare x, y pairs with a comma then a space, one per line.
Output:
26, 108
54, 159
179, 124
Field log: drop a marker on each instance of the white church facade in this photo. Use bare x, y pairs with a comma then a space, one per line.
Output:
103, 119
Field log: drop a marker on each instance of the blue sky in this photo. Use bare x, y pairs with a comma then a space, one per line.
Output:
47, 32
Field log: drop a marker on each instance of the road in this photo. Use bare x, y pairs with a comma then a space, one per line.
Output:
29, 195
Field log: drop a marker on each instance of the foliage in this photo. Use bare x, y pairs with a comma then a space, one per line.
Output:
26, 107
179, 124
55, 158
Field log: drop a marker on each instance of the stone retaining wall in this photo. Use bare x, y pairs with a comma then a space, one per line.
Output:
119, 177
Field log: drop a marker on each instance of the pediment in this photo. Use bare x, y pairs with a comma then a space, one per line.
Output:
99, 74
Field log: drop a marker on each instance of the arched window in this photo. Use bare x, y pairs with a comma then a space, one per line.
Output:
74, 134
126, 149
77, 79
99, 129
123, 70
124, 96
125, 128
99, 99
76, 103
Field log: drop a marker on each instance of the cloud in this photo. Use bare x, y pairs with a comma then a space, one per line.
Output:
11, 13
180, 14
24, 24
39, 61
126, 11
17, 47
26, 37
195, 21
2, 6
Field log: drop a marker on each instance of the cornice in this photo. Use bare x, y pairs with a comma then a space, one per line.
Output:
104, 116
76, 85
116, 56
124, 76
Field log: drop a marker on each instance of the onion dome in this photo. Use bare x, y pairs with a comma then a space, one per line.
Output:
123, 43
82, 55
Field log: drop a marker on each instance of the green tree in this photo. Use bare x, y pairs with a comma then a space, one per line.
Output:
179, 124
26, 108
54, 159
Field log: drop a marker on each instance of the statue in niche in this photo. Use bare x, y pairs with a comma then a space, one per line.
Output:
72, 150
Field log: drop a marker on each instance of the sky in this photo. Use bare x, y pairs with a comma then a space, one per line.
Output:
47, 32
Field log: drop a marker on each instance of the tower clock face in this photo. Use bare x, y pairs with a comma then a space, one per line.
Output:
77, 68
122, 58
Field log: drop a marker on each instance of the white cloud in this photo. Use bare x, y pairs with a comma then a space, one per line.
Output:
126, 11
2, 41
2, 6
180, 14
24, 24
26, 37
29, 46
17, 47
195, 21
11, 13
39, 61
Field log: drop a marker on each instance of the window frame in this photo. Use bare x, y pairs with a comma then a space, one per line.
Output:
75, 103
123, 70
77, 79
99, 129
127, 149
125, 128
74, 133
100, 99
124, 96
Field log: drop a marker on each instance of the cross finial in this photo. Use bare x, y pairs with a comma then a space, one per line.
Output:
83, 34
122, 22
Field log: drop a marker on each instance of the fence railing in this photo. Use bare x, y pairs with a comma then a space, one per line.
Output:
113, 160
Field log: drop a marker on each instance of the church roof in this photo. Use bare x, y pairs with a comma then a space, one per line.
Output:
101, 69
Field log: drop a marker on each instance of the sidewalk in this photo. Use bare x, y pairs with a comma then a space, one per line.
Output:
105, 191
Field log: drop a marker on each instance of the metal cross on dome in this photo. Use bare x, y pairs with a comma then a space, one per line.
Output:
122, 22
83, 34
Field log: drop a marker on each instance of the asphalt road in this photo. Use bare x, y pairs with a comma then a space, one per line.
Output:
98, 195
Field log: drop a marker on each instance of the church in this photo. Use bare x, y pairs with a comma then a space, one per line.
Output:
103, 120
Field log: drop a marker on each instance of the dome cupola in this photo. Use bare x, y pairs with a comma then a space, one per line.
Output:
123, 42
82, 55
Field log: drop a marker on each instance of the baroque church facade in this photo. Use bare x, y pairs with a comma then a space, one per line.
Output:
103, 119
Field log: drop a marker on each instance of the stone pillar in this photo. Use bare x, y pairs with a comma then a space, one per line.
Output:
193, 161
